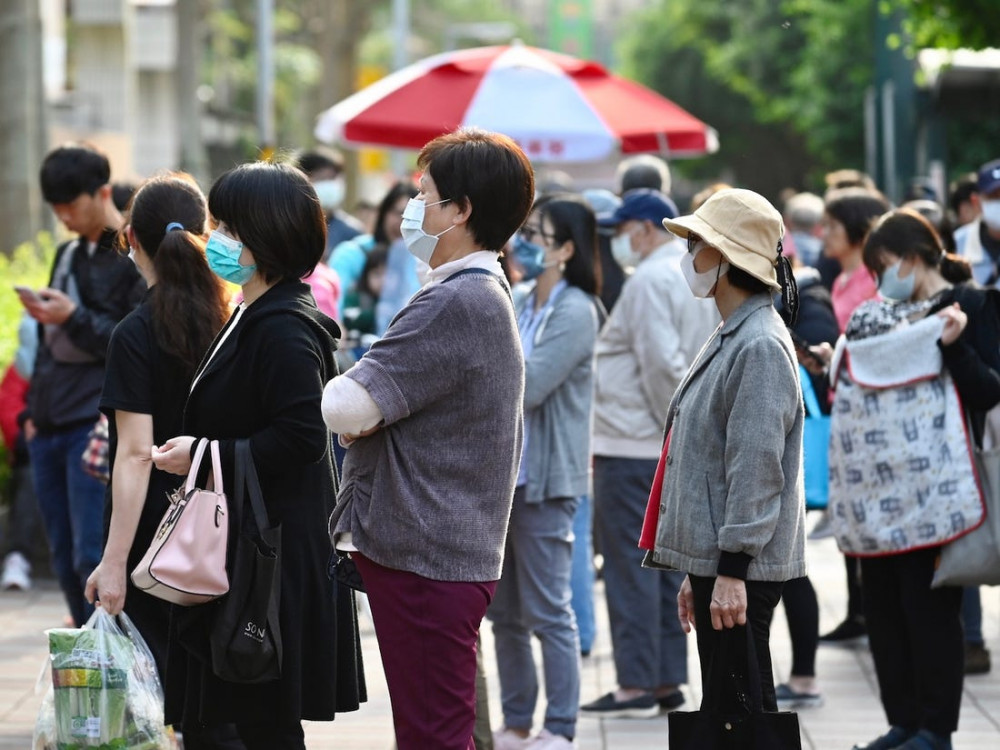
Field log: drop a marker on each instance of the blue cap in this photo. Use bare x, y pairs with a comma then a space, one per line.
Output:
642, 204
989, 176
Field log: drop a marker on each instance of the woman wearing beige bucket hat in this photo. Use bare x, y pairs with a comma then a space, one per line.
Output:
727, 503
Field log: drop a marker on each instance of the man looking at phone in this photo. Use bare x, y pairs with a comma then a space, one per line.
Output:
92, 287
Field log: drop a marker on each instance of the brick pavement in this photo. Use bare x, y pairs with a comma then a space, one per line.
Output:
851, 712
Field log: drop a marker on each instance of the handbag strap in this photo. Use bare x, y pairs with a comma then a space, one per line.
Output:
246, 477
809, 393
721, 662
199, 454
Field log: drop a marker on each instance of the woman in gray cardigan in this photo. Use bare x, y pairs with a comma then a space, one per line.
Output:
727, 506
558, 323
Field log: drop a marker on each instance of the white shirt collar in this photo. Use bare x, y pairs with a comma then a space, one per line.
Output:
486, 259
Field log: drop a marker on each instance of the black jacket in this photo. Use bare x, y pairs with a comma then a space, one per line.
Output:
64, 395
266, 383
974, 359
816, 323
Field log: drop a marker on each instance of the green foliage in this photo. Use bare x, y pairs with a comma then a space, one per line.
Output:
950, 24
27, 265
790, 73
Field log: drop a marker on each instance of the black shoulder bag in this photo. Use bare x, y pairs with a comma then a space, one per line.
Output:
246, 636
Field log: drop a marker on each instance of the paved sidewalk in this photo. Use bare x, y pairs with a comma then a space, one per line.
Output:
851, 712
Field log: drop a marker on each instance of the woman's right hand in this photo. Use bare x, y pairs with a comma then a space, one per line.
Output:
174, 456
816, 359
685, 605
106, 585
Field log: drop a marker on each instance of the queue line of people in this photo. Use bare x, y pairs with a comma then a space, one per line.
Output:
165, 385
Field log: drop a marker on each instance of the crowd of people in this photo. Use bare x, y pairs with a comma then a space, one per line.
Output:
462, 407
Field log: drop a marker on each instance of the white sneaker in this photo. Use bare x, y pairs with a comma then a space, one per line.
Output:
545, 740
16, 572
505, 739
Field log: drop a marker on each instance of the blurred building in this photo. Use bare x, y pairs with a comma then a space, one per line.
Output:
118, 83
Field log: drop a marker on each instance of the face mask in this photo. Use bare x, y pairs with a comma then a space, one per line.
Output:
622, 252
530, 256
223, 255
330, 193
131, 253
991, 213
894, 288
420, 244
701, 283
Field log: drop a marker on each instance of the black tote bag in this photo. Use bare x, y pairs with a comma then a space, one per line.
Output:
730, 719
246, 636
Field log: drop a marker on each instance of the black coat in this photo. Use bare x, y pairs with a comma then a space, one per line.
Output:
266, 383
974, 359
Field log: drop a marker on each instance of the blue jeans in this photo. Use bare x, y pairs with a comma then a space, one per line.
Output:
650, 648
581, 579
533, 597
72, 507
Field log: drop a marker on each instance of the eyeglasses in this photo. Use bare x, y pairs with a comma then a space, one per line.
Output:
528, 234
693, 242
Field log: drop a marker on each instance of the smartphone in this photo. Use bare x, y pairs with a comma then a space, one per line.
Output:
27, 294
802, 347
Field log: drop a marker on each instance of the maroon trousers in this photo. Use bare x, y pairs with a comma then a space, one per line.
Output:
427, 634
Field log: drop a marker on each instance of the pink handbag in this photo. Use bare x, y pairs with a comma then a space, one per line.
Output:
186, 563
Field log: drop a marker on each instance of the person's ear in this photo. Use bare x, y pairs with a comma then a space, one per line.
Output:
565, 251
130, 235
463, 211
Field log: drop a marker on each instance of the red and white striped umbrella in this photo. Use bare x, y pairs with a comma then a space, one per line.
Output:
558, 108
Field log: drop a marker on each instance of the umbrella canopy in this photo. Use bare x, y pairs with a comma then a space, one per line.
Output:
557, 107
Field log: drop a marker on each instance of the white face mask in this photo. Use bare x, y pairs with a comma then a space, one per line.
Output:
701, 283
623, 252
330, 193
991, 213
420, 244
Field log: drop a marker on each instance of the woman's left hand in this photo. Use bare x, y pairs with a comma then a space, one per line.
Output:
174, 456
954, 323
729, 603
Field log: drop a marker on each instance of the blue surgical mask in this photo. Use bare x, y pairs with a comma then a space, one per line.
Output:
530, 256
894, 288
223, 254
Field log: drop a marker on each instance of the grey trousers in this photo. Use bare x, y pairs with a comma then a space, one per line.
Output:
533, 598
650, 648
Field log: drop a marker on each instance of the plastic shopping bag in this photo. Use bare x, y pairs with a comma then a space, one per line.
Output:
105, 692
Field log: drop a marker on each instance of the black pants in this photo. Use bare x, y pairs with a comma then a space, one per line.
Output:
250, 735
855, 602
916, 640
762, 598
802, 612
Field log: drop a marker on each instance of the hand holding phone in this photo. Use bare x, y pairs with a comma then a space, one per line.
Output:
805, 352
27, 295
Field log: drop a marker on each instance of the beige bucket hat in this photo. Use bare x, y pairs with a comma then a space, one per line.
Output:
743, 226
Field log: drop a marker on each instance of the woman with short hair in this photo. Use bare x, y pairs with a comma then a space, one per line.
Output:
433, 417
262, 381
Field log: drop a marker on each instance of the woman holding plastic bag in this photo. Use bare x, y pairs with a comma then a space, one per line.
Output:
909, 373
262, 383
151, 359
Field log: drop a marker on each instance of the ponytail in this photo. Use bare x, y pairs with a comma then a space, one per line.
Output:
955, 269
789, 289
188, 300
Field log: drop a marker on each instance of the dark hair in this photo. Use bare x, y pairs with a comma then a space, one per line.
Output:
121, 194
962, 189
317, 158
188, 301
377, 257
274, 211
907, 234
397, 191
856, 208
572, 219
70, 171
488, 171
789, 310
